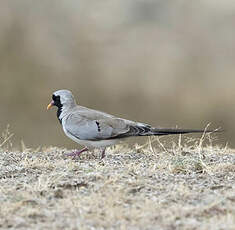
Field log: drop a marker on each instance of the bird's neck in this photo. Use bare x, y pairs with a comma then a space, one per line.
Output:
59, 112
63, 110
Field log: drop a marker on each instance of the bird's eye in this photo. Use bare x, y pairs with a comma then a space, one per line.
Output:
55, 98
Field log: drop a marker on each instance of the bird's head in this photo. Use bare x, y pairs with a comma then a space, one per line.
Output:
62, 98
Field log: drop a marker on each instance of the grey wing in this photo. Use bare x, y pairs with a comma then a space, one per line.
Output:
102, 128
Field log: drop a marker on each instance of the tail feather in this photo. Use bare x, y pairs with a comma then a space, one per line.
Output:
141, 130
159, 131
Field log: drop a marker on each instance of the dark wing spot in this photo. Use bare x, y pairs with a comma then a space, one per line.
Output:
98, 126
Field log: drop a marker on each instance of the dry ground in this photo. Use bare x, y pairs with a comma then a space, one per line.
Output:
142, 187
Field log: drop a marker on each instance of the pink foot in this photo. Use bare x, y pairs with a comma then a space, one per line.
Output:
77, 153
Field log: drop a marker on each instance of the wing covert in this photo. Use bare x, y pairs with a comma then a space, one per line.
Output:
99, 129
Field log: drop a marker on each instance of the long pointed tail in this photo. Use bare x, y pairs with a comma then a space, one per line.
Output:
159, 131
146, 130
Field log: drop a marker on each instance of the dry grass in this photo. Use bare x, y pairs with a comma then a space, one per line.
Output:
143, 187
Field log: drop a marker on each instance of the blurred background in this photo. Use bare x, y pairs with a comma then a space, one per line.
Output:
163, 62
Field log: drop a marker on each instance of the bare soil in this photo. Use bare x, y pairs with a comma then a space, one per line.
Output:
140, 187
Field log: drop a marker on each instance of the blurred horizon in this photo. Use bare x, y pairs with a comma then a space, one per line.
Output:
165, 63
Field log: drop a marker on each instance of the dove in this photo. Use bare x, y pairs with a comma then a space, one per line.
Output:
95, 129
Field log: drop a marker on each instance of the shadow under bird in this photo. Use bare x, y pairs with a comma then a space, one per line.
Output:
96, 129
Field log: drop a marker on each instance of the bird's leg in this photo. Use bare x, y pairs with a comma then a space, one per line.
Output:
77, 153
103, 153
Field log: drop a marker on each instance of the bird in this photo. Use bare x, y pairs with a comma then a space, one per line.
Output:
95, 129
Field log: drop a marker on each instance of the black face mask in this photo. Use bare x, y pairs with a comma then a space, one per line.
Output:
57, 103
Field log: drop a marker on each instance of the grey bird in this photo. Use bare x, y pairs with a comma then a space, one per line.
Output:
96, 129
